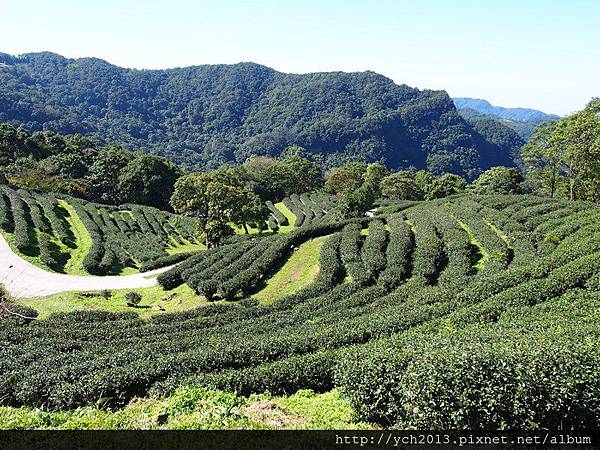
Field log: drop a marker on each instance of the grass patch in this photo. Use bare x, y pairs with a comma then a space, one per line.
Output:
298, 271
184, 298
328, 411
290, 217
251, 230
191, 407
186, 247
82, 241
481, 255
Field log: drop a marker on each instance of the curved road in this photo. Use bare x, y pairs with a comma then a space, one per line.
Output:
23, 279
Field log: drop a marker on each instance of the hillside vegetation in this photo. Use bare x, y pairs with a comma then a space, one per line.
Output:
205, 116
439, 303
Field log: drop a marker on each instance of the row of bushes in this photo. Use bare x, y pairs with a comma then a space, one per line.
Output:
296, 210
277, 215
20, 215
166, 261
309, 208
350, 253
373, 250
429, 257
6, 222
35, 213
49, 206
398, 253
507, 375
130, 235
93, 259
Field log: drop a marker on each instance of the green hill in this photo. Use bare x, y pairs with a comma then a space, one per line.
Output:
205, 116
514, 114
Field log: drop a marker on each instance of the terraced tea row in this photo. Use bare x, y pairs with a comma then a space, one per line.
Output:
307, 208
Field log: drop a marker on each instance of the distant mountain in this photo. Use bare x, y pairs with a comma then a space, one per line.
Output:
522, 120
206, 116
514, 114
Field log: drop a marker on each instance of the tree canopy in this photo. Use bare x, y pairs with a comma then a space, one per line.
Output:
499, 180
217, 202
563, 158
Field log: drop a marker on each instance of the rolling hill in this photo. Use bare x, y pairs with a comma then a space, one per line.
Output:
206, 116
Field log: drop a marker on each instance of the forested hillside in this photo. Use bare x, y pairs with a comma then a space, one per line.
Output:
205, 116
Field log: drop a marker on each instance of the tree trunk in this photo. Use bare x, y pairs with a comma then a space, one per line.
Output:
572, 195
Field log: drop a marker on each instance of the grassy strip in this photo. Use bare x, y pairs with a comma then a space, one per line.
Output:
198, 408
290, 217
299, 271
82, 241
186, 247
483, 254
182, 298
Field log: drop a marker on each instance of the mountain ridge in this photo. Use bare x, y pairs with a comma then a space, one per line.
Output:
518, 114
208, 115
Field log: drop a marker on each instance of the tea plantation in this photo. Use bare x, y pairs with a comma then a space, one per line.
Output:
463, 312
69, 235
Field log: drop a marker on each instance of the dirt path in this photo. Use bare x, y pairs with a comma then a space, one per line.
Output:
23, 279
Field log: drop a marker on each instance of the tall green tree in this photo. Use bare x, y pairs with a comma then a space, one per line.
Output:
293, 175
148, 180
447, 184
357, 202
499, 180
103, 176
216, 204
568, 151
346, 178
401, 186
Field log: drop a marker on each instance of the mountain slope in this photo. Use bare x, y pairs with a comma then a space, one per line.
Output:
205, 116
521, 120
516, 114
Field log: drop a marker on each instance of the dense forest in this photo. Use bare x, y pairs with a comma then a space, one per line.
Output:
207, 116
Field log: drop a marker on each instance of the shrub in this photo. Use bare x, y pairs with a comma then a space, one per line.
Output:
479, 378
6, 222
133, 299
278, 215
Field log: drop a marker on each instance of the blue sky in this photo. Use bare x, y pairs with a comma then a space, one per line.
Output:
530, 53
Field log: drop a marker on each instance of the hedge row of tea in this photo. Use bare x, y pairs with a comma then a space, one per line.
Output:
307, 208
237, 270
125, 236
463, 312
